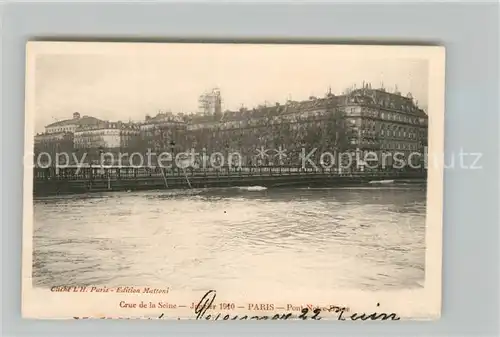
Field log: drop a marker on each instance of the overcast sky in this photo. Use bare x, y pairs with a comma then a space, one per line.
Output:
128, 84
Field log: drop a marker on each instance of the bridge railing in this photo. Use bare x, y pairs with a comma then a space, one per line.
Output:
118, 173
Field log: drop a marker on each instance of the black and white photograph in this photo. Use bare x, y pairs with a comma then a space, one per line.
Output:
233, 181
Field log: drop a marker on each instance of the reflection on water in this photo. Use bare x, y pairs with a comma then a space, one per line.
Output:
363, 238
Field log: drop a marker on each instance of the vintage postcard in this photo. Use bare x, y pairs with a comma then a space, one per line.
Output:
233, 181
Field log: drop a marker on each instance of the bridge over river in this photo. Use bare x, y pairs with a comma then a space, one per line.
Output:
55, 181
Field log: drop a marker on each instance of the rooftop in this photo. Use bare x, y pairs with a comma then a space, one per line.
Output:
393, 100
165, 117
85, 120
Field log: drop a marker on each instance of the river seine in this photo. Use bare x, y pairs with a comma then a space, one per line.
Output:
370, 238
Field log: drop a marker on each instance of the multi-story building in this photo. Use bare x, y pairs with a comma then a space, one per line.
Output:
210, 103
53, 148
379, 129
377, 126
110, 135
59, 137
162, 131
389, 126
311, 124
115, 138
71, 125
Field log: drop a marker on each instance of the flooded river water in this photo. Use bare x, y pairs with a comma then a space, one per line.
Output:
361, 238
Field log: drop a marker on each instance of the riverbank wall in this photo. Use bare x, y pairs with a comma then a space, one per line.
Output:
65, 183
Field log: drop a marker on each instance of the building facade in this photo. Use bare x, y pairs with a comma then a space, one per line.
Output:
110, 135
388, 128
117, 140
52, 148
162, 131
286, 128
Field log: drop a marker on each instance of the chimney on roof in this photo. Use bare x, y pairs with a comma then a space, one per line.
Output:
76, 115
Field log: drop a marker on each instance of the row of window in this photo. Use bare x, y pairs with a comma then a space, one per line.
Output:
385, 145
371, 124
391, 116
52, 140
366, 141
61, 129
400, 134
402, 118
400, 146
96, 132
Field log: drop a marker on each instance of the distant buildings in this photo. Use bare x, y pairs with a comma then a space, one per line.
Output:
358, 121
